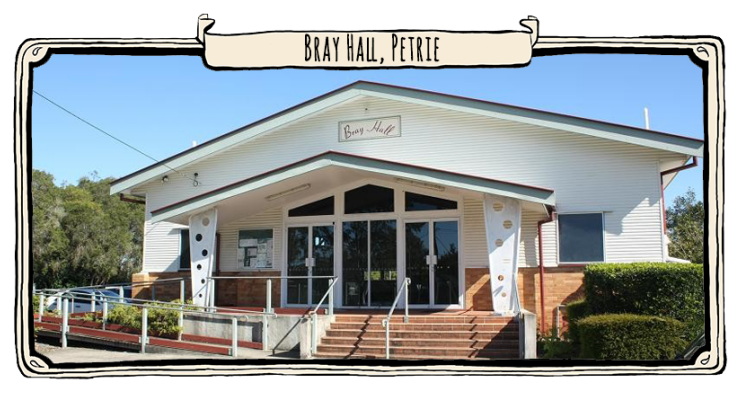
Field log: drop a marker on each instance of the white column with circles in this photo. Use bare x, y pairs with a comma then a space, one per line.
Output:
503, 232
202, 254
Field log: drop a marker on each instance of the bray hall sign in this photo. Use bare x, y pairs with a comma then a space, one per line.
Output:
369, 128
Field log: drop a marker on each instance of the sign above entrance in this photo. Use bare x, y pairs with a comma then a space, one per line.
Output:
369, 128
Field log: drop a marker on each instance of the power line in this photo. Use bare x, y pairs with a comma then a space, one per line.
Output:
108, 134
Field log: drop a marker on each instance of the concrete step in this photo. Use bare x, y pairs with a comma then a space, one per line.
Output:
421, 343
414, 353
480, 336
426, 319
477, 327
419, 357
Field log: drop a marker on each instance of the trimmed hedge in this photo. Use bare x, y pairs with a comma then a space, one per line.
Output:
673, 290
630, 337
576, 311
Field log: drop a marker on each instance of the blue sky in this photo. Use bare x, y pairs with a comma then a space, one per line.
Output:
161, 104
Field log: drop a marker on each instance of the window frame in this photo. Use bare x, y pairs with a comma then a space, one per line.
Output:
239, 264
179, 253
603, 237
405, 210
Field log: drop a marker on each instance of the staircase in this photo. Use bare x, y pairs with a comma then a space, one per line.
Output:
423, 337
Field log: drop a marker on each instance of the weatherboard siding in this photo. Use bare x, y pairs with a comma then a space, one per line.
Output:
587, 173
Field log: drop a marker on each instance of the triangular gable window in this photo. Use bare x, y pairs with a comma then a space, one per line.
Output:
324, 207
420, 202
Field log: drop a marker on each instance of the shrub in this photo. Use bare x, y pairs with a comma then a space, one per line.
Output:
554, 347
36, 303
575, 311
673, 290
161, 320
630, 337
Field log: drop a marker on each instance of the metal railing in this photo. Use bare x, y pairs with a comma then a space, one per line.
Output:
268, 299
314, 319
119, 287
386, 321
145, 306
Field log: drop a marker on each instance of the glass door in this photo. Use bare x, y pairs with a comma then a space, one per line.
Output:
432, 254
369, 257
310, 252
322, 252
417, 262
298, 254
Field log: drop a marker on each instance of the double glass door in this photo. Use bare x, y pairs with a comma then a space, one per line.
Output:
310, 253
369, 261
432, 262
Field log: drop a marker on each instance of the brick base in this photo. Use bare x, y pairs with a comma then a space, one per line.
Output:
237, 292
247, 292
561, 285
161, 291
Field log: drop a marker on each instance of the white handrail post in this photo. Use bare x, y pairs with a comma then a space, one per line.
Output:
313, 333
212, 295
105, 312
234, 337
72, 306
92, 303
181, 319
65, 321
120, 291
269, 295
331, 298
265, 339
386, 324
144, 328
41, 304
407, 285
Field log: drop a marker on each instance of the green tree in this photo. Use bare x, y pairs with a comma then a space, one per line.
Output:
685, 220
82, 235
49, 244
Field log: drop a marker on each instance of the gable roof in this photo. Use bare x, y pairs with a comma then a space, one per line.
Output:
523, 192
622, 133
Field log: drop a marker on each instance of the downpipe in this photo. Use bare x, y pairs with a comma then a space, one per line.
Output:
541, 266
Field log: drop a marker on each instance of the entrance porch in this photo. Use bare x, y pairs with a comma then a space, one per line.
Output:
368, 224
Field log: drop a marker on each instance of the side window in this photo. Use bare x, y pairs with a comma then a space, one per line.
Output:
184, 249
581, 238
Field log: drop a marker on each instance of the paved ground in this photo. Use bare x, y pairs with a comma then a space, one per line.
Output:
84, 354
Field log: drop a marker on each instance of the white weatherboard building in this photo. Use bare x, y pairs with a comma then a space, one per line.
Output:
373, 184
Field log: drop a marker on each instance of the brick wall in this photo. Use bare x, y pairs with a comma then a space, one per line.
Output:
161, 291
561, 285
238, 292
247, 292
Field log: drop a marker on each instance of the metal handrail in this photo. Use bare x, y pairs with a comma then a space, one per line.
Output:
107, 286
155, 305
312, 314
386, 321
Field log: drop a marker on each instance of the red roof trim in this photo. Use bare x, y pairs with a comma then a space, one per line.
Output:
344, 154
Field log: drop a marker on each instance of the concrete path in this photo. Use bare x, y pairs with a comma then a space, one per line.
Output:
80, 354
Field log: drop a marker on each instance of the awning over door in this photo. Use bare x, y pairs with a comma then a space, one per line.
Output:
332, 169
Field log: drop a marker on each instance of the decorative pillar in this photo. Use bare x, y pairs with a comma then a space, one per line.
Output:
503, 230
202, 254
